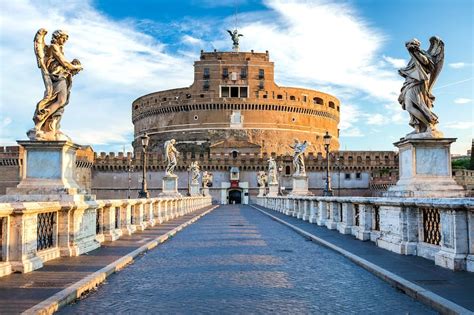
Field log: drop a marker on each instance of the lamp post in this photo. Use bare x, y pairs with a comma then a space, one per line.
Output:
280, 168
130, 170
144, 192
338, 176
327, 142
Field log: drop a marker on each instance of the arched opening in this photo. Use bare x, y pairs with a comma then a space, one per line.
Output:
235, 196
287, 170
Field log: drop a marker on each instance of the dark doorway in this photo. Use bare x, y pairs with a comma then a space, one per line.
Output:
235, 196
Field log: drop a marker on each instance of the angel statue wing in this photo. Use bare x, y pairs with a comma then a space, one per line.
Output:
230, 33
436, 52
40, 48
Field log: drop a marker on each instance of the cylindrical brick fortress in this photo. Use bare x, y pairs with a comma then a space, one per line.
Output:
234, 96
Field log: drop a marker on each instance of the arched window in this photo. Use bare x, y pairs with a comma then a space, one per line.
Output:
234, 154
287, 170
331, 104
292, 98
279, 96
318, 100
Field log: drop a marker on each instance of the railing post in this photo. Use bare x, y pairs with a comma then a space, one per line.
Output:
365, 222
454, 239
306, 210
470, 230
313, 211
345, 226
322, 213
126, 218
331, 222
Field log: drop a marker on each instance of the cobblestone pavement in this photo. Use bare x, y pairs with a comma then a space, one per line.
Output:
237, 260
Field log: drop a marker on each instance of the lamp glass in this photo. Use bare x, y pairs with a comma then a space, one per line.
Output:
145, 139
327, 138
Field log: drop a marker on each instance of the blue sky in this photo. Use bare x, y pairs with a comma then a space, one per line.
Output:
351, 49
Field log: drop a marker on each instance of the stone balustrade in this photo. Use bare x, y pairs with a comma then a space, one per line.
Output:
32, 233
438, 229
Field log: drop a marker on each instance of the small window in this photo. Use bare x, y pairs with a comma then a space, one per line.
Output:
293, 119
305, 98
338, 109
225, 73
358, 176
234, 91
261, 85
234, 154
347, 176
136, 107
261, 74
279, 96
287, 170
196, 117
265, 96
164, 99
318, 100
292, 98
202, 95
225, 91
243, 91
243, 73
188, 95
331, 104
206, 73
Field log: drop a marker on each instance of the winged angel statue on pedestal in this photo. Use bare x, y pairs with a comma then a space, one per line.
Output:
57, 75
420, 75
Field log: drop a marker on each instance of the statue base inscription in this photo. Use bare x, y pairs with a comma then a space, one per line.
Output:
425, 169
300, 186
194, 189
272, 190
48, 173
170, 187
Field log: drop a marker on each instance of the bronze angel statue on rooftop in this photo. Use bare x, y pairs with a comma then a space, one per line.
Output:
420, 75
57, 75
235, 38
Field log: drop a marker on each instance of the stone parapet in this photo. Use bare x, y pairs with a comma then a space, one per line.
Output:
440, 229
32, 233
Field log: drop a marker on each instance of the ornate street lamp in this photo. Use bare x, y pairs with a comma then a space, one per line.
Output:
144, 192
327, 142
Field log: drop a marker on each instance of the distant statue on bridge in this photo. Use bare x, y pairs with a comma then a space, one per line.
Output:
171, 155
272, 171
195, 172
57, 75
235, 39
298, 157
207, 179
261, 179
420, 75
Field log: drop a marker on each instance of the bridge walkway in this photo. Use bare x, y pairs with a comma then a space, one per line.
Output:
238, 260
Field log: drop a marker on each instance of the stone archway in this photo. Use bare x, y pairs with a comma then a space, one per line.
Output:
235, 196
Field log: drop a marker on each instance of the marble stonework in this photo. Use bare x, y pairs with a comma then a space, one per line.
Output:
425, 169
170, 186
300, 185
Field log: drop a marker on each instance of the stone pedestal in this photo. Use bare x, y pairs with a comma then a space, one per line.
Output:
205, 191
272, 190
261, 191
48, 174
170, 187
425, 169
300, 185
194, 189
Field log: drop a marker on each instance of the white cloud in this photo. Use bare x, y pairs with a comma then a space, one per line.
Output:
352, 132
190, 40
120, 64
458, 65
459, 125
396, 63
320, 43
377, 119
462, 100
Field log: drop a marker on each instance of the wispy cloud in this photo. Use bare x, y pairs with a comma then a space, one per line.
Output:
396, 63
459, 125
462, 100
459, 65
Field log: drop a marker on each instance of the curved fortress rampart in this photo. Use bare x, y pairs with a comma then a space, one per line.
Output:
234, 96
